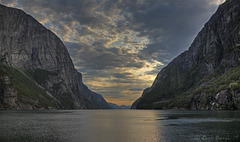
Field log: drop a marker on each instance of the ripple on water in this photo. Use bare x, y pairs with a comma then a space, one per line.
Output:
118, 126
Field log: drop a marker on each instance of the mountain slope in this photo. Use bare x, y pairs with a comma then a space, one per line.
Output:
203, 76
37, 56
115, 106
92, 99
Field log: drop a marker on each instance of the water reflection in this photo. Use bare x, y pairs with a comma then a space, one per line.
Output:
118, 126
122, 126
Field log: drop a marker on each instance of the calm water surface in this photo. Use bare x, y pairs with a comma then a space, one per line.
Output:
119, 126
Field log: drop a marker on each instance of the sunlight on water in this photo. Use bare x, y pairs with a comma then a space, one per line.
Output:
122, 125
118, 126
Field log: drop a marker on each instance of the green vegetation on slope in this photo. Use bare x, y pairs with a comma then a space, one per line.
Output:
29, 93
42, 76
175, 83
216, 82
210, 85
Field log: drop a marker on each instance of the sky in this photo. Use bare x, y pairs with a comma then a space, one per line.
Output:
120, 45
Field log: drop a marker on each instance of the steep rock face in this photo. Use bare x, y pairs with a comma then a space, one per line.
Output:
39, 55
214, 53
92, 100
134, 105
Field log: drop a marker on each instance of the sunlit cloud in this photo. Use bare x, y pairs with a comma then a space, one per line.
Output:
9, 3
217, 2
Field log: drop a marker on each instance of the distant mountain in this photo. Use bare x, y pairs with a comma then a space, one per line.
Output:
36, 71
115, 106
207, 75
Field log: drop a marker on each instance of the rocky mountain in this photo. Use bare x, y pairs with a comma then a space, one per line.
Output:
36, 71
135, 103
207, 75
92, 100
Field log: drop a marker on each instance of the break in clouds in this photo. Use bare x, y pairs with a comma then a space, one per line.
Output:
121, 45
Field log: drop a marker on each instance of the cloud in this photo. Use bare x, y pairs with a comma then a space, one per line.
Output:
9, 3
120, 45
216, 2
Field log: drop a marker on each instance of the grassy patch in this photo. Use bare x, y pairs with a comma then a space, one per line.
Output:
215, 83
234, 86
218, 82
28, 91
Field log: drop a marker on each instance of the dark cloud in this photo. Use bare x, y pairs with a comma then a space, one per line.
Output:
99, 57
171, 24
121, 43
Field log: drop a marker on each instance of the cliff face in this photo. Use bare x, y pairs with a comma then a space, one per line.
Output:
33, 59
92, 100
207, 70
